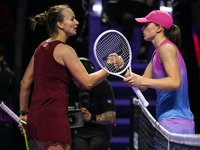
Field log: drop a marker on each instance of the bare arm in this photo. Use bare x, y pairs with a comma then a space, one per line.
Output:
25, 86
148, 74
169, 58
133, 80
66, 56
107, 117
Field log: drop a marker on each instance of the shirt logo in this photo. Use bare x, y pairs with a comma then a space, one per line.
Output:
45, 45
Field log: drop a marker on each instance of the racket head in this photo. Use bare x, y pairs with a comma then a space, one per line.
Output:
108, 42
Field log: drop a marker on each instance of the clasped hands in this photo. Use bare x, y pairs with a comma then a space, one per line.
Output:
134, 80
116, 60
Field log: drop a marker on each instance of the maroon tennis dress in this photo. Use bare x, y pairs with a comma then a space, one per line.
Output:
48, 113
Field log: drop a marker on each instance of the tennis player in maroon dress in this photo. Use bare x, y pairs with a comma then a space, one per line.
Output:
51, 68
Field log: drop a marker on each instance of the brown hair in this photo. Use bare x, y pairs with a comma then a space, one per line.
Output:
50, 18
174, 35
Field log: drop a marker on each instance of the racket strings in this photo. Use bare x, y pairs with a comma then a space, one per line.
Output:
112, 43
33, 145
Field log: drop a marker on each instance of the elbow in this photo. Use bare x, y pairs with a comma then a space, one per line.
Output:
113, 118
24, 85
87, 87
21, 83
113, 121
176, 85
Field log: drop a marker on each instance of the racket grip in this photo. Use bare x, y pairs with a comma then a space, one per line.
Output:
140, 96
10, 112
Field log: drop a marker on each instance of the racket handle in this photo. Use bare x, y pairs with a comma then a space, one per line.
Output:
11, 113
140, 96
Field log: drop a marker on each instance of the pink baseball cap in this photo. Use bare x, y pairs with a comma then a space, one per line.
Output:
159, 17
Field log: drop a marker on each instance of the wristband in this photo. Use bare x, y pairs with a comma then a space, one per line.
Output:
110, 67
23, 113
93, 118
122, 68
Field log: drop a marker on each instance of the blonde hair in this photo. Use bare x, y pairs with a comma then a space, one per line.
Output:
49, 18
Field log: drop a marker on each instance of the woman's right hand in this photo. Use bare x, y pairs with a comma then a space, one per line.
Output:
133, 81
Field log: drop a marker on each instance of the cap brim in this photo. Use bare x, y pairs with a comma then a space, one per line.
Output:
142, 20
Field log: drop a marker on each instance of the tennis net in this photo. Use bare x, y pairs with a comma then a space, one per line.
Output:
148, 134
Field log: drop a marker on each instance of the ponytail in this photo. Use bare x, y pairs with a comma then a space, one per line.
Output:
40, 19
174, 35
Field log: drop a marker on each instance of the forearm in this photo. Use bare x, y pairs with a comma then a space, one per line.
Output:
24, 98
165, 84
79, 72
108, 117
169, 83
25, 86
141, 87
97, 77
144, 87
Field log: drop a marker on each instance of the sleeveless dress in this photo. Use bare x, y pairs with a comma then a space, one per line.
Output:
48, 113
173, 108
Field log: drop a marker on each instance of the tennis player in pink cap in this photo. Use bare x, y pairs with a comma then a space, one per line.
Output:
166, 73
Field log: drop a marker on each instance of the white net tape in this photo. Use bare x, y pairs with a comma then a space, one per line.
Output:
169, 140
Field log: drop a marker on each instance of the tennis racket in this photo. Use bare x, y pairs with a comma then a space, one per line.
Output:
112, 41
31, 144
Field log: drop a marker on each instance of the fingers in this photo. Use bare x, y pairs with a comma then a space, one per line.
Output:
134, 80
83, 109
23, 118
127, 74
21, 128
111, 58
116, 60
127, 80
86, 114
130, 81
